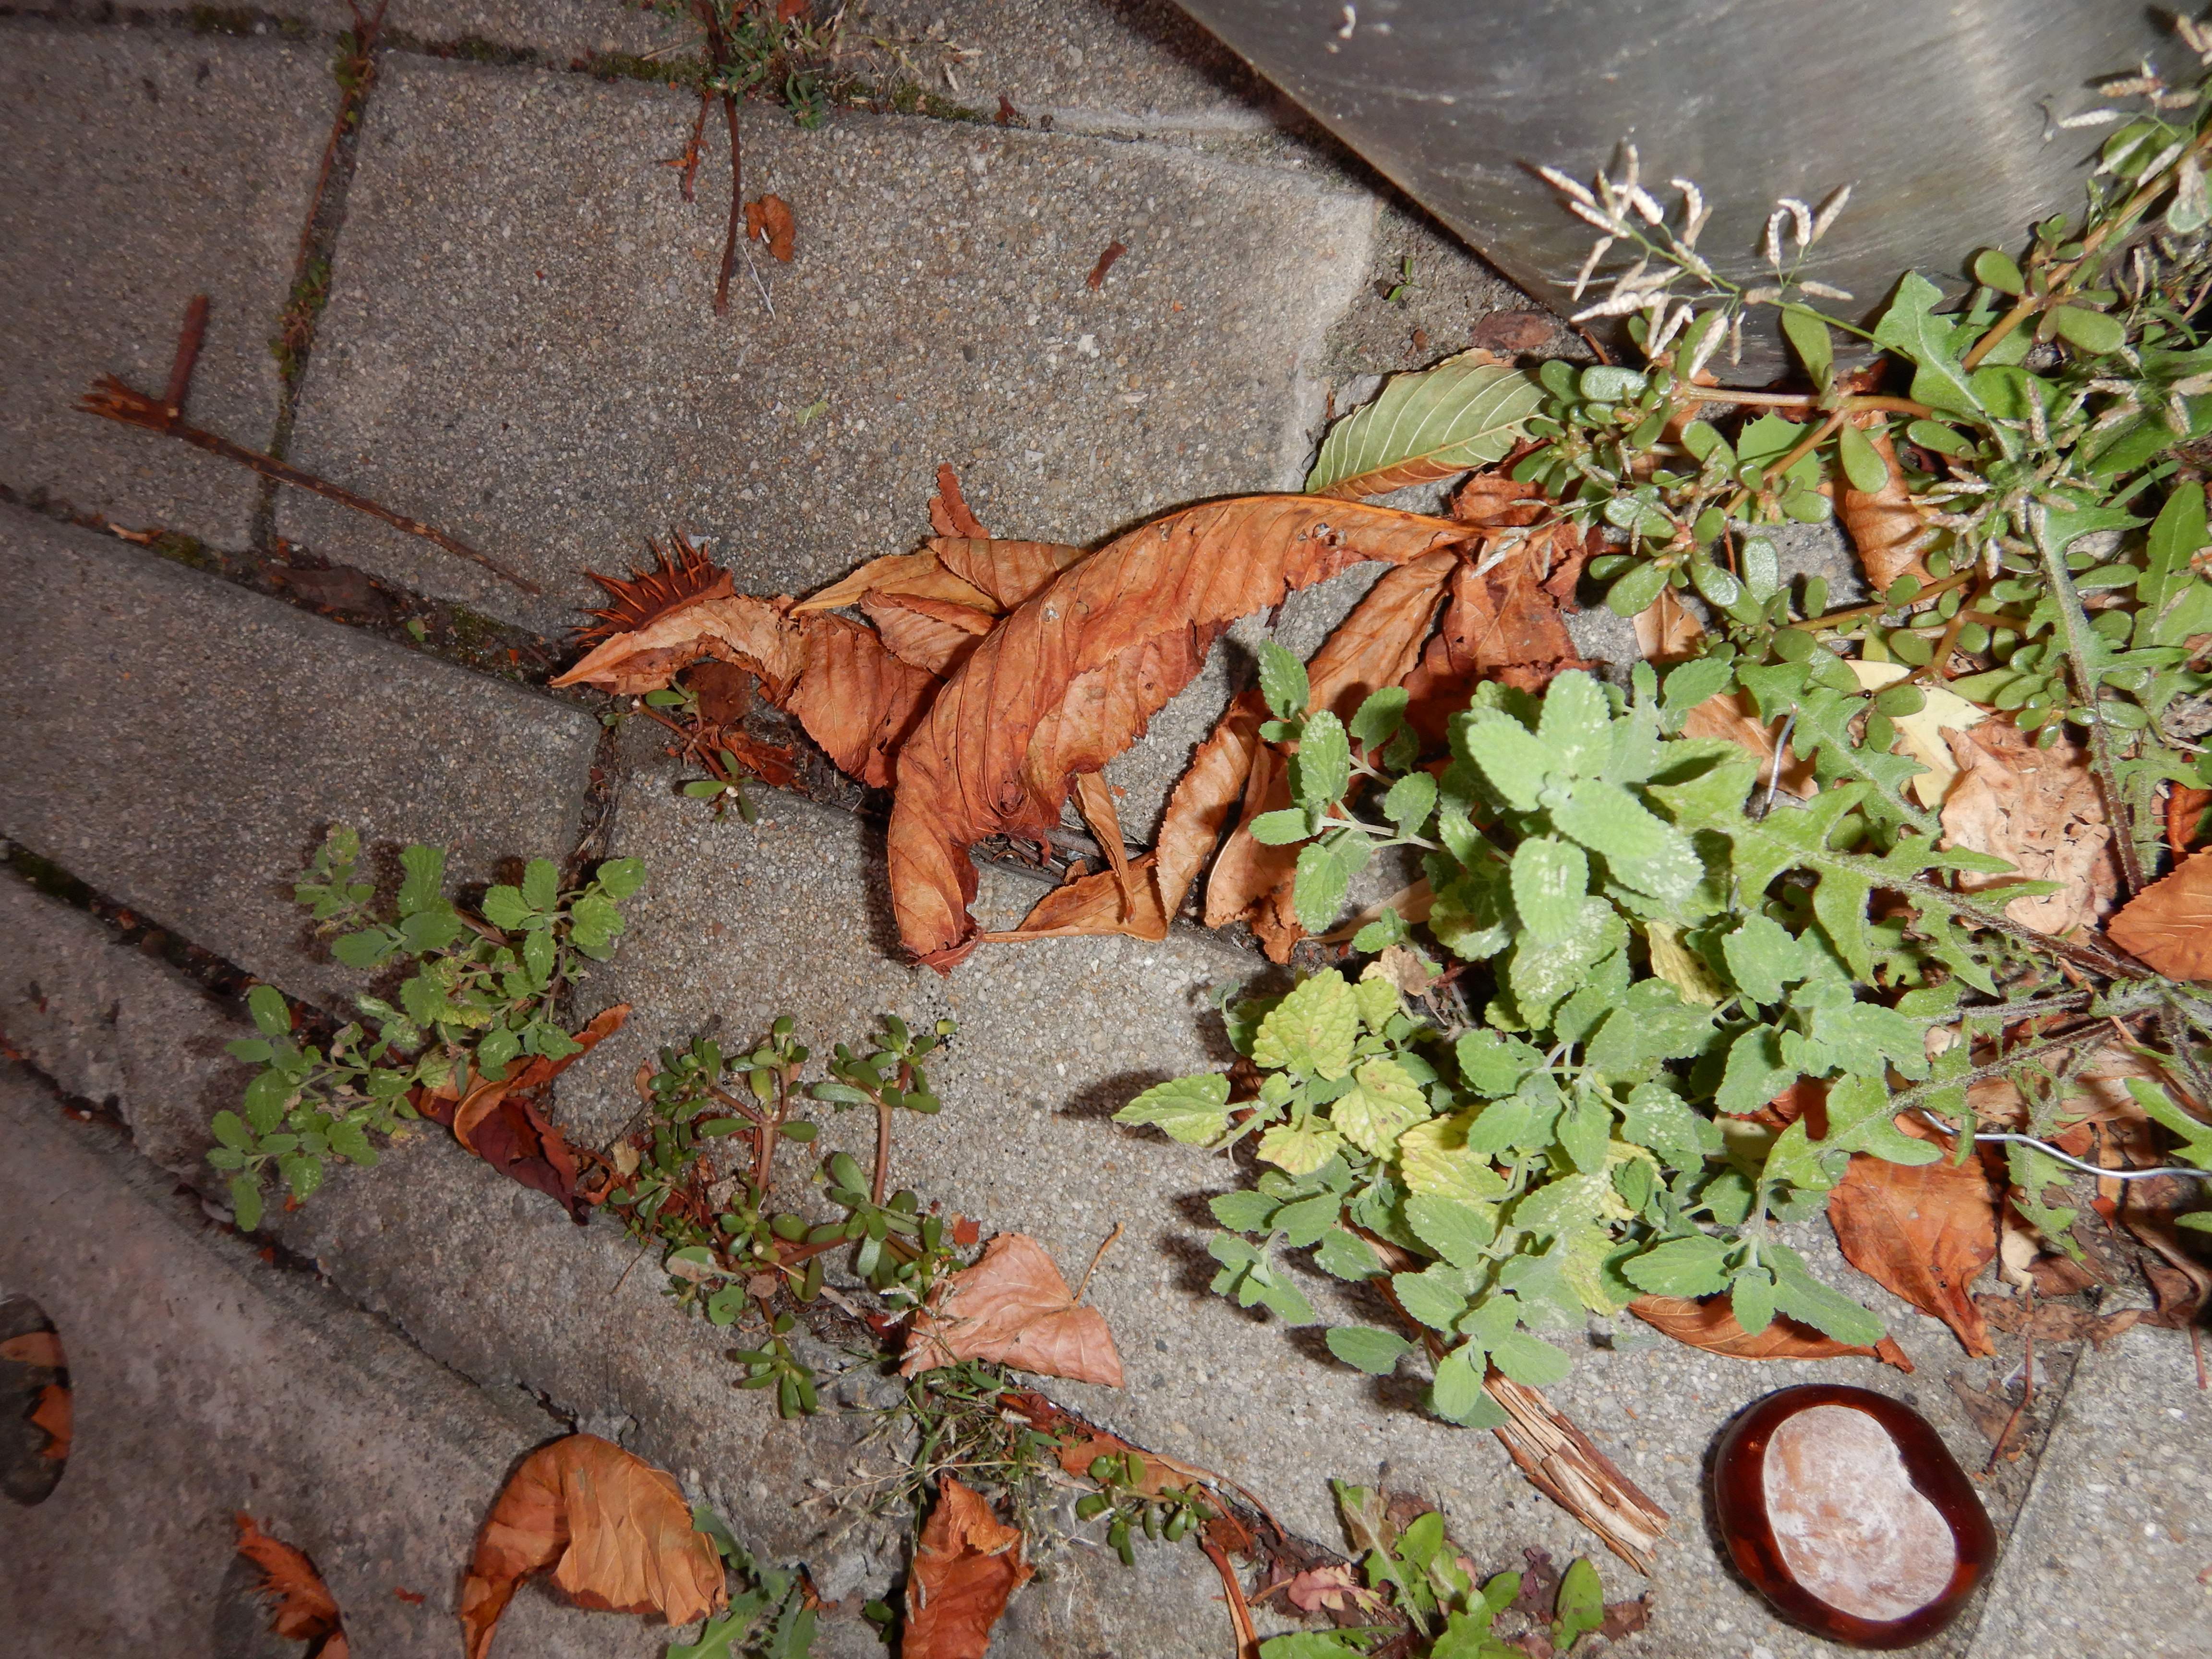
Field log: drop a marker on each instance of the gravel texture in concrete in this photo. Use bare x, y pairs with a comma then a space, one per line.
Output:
110, 1024
1090, 65
2114, 1551
180, 744
521, 345
145, 166
204, 1382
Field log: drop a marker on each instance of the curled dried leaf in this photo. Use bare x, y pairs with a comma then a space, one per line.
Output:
615, 1531
1710, 1323
966, 1566
1073, 675
2040, 810
1924, 1230
1886, 526
300, 1606
1013, 1307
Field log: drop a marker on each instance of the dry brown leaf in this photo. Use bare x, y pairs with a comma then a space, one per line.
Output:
948, 512
966, 1566
2038, 809
1009, 572
1921, 733
302, 1606
1710, 1324
930, 634
853, 698
2168, 925
1329, 1588
615, 1530
2057, 1321
1072, 676
920, 575
501, 1124
1157, 1475
1665, 629
55, 1413
1378, 644
2147, 1210
2184, 817
1095, 904
1887, 527
1013, 1307
40, 1348
768, 219
1502, 623
1732, 716
1923, 1231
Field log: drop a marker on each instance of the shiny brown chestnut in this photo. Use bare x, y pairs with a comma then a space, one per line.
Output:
1845, 1511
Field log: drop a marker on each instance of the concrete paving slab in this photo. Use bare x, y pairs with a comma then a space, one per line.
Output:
108, 1024
557, 31
145, 166
737, 926
180, 744
204, 1382
1090, 65
520, 345
2114, 1551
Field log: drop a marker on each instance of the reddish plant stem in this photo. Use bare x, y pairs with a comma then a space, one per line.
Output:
718, 53
111, 400
188, 353
883, 1139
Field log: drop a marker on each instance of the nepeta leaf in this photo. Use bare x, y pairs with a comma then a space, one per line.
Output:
1312, 1029
1382, 1104
1322, 767
1342, 1254
1751, 1299
1304, 1221
1551, 880
1300, 1148
2175, 602
1585, 1129
619, 877
1457, 1394
1435, 1297
1656, 1117
1379, 717
1193, 1109
1280, 828
1376, 1352
1755, 1071
1529, 1360
1576, 724
1320, 880
246, 1202
1491, 1063
1682, 1266
1434, 1159
1512, 761
1638, 848
1282, 681
363, 950
1410, 801
1458, 1232
1805, 1299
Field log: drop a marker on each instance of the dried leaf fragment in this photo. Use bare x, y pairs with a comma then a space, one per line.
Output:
2168, 925
301, 1607
55, 1413
2039, 809
1886, 526
966, 1566
1924, 1230
948, 511
615, 1530
769, 219
1710, 1323
1012, 1306
40, 1348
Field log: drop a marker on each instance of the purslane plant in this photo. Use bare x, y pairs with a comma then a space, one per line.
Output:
1660, 958
482, 991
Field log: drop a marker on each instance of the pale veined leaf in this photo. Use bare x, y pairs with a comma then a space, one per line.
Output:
1464, 413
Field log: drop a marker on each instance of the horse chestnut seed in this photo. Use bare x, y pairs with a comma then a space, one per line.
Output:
1846, 1511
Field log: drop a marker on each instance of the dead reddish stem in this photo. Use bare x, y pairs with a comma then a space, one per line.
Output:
188, 353
1240, 1611
111, 400
718, 52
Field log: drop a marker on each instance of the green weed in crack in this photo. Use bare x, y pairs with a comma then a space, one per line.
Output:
729, 1249
482, 993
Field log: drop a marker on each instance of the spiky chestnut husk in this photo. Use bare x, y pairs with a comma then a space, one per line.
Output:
645, 596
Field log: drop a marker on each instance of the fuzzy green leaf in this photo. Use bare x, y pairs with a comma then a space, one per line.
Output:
1193, 1109
1376, 1352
